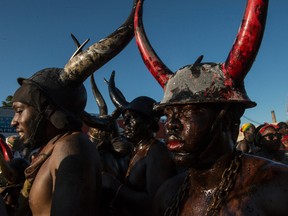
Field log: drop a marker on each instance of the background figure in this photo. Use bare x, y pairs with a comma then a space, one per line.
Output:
114, 149
269, 141
150, 164
247, 144
18, 149
114, 152
11, 176
284, 141
5, 149
11, 181
283, 128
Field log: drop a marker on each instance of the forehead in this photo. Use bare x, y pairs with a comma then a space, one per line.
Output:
282, 125
181, 107
130, 113
19, 105
269, 130
251, 128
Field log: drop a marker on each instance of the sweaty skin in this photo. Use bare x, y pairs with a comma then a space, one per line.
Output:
150, 165
260, 187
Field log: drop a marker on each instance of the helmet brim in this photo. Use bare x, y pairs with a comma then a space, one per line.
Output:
159, 107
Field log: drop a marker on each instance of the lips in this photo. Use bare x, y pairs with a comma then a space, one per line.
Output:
20, 133
174, 145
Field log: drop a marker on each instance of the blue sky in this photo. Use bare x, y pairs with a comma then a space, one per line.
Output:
36, 34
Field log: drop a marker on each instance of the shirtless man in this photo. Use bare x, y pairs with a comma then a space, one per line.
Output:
65, 177
67, 163
151, 162
113, 148
203, 102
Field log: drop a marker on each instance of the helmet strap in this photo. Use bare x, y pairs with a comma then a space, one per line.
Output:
33, 139
219, 118
212, 135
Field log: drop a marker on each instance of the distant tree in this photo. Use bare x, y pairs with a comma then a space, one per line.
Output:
7, 102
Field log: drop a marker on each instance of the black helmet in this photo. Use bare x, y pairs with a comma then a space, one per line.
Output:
142, 105
64, 87
70, 99
102, 126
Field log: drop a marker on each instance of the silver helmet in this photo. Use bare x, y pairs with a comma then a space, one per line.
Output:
208, 82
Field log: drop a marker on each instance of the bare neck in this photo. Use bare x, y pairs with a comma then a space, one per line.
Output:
210, 178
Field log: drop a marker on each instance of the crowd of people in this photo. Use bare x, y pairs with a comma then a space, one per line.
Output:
198, 169
266, 140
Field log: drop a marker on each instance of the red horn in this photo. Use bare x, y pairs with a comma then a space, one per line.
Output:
154, 64
248, 40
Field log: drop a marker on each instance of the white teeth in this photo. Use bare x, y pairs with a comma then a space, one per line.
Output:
182, 153
172, 137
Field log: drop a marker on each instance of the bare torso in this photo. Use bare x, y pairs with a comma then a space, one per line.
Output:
69, 180
144, 179
260, 189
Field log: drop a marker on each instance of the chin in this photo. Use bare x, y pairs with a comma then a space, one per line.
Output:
184, 159
25, 141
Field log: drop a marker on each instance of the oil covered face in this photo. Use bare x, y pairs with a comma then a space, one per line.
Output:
24, 120
134, 126
188, 131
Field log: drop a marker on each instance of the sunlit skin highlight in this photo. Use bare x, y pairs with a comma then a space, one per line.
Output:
188, 130
24, 120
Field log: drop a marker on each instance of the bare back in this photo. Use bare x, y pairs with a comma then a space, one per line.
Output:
68, 182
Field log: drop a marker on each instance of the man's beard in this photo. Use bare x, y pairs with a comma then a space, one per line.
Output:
36, 138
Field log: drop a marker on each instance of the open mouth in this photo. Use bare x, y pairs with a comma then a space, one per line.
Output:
21, 134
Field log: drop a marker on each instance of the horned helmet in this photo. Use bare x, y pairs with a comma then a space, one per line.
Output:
64, 86
208, 82
103, 126
142, 105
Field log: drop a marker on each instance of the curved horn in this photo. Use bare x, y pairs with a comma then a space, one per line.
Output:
98, 98
95, 122
116, 113
116, 95
81, 66
248, 40
154, 64
78, 45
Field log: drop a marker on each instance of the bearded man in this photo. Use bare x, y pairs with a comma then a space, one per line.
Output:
65, 176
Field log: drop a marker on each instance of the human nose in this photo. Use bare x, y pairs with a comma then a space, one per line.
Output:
14, 121
173, 123
126, 121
